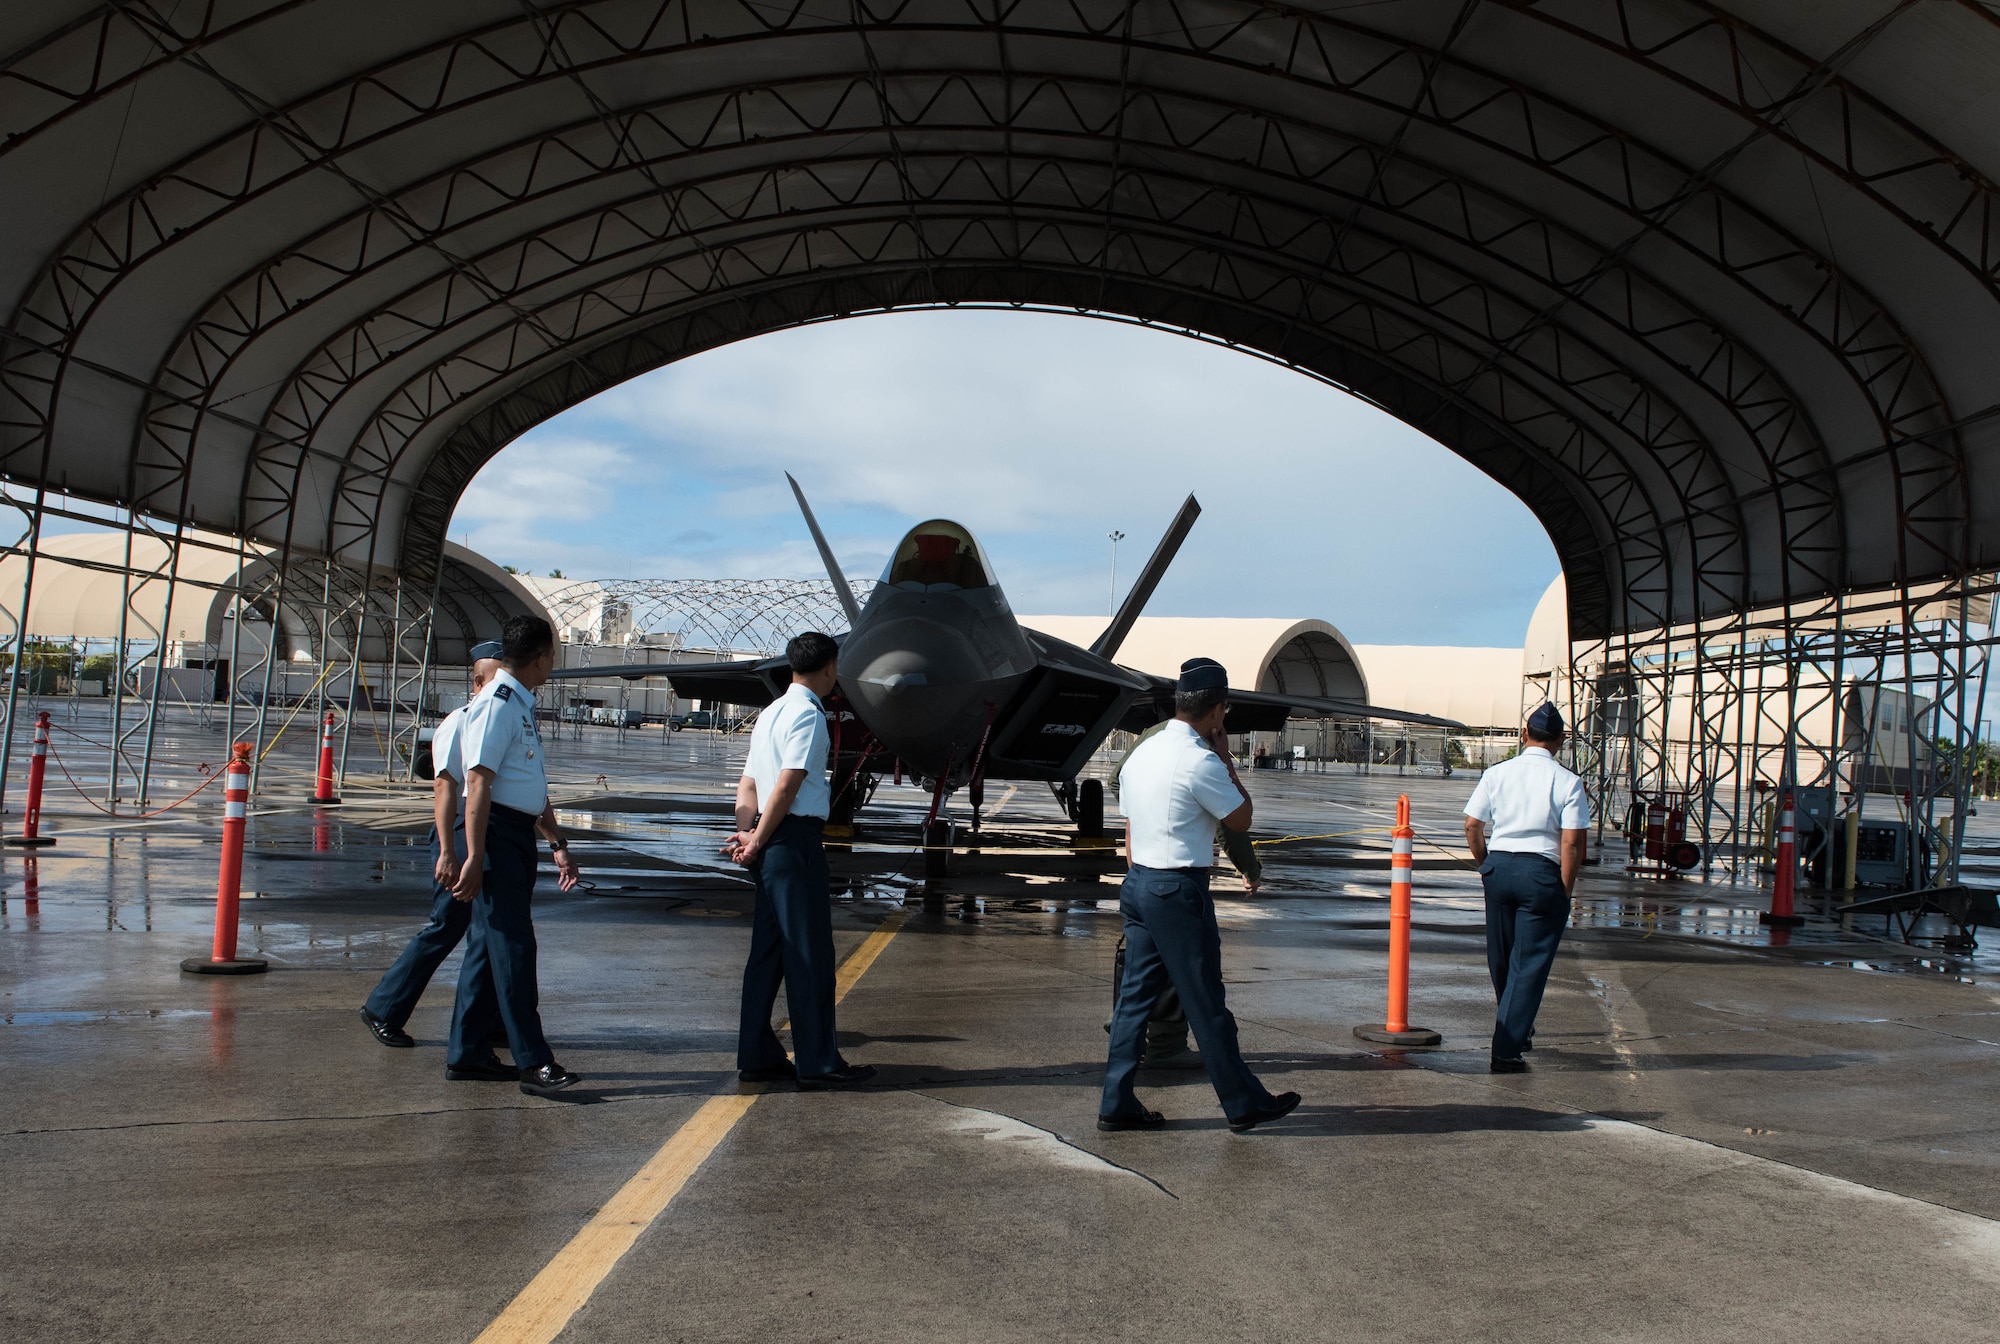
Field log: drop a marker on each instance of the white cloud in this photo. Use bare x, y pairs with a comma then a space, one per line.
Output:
925, 412
1041, 433
545, 477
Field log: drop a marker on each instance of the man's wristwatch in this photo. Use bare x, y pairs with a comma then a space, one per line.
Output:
558, 846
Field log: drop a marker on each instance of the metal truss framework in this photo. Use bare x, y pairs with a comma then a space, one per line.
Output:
710, 618
1699, 290
614, 623
1788, 698
330, 635
142, 643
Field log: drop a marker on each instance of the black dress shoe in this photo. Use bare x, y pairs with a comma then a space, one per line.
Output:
847, 1075
487, 1070
1281, 1105
774, 1073
1111, 1124
385, 1033
1514, 1065
550, 1078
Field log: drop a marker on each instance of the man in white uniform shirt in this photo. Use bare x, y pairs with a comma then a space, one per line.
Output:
781, 806
1527, 824
1173, 790
506, 803
396, 995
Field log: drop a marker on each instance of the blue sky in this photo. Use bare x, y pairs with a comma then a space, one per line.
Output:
1041, 433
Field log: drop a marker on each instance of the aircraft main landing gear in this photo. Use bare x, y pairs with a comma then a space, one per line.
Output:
1083, 802
937, 850
1089, 814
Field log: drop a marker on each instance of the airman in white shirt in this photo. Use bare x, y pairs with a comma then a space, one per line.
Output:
506, 805
1173, 790
781, 807
395, 996
1527, 825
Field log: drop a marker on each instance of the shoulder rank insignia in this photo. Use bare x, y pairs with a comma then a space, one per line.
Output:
503, 692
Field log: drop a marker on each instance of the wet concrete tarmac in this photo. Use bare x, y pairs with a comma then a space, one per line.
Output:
1719, 1138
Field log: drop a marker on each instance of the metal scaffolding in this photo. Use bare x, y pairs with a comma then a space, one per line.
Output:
1873, 696
276, 638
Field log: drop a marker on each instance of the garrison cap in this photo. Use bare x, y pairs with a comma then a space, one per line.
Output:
1546, 722
491, 648
1202, 674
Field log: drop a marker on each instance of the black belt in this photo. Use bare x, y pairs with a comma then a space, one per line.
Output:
1523, 854
513, 816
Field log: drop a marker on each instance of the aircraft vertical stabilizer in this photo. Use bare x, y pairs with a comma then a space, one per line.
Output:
840, 588
1108, 643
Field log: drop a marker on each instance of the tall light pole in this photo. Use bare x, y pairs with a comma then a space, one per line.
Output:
1116, 537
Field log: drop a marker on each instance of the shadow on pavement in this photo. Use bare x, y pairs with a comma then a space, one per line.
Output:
1448, 1118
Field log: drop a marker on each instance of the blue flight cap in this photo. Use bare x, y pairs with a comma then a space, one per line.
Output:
1202, 674
491, 648
1546, 722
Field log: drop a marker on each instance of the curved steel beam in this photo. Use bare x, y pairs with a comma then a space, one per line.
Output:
243, 315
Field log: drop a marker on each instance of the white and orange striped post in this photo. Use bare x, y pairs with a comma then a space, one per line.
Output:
31, 836
1786, 878
323, 785
1402, 861
222, 959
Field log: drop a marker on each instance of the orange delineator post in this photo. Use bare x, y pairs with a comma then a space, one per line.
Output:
1402, 859
222, 959
1787, 870
38, 765
324, 792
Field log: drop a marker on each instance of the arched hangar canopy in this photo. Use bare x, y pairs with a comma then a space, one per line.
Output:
1710, 286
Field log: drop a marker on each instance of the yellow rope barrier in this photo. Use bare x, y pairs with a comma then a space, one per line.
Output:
1329, 835
295, 712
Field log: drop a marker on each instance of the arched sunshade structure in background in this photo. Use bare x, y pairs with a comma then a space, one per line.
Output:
1308, 657
1710, 286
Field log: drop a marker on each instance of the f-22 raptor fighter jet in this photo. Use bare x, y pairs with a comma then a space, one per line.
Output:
939, 681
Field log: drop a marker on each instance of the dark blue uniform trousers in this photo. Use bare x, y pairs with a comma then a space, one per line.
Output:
396, 995
1171, 940
497, 976
1526, 910
791, 940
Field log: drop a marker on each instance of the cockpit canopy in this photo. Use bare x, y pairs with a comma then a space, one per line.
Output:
938, 555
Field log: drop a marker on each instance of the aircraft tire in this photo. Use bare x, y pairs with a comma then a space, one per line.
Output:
937, 850
1090, 807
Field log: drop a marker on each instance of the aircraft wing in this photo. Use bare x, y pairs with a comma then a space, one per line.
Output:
1267, 711
750, 681
1065, 708
1074, 698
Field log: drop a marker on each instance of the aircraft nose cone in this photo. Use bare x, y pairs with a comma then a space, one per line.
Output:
916, 684
904, 656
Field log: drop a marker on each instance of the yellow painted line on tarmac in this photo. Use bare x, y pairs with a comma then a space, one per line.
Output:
541, 1310
863, 957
